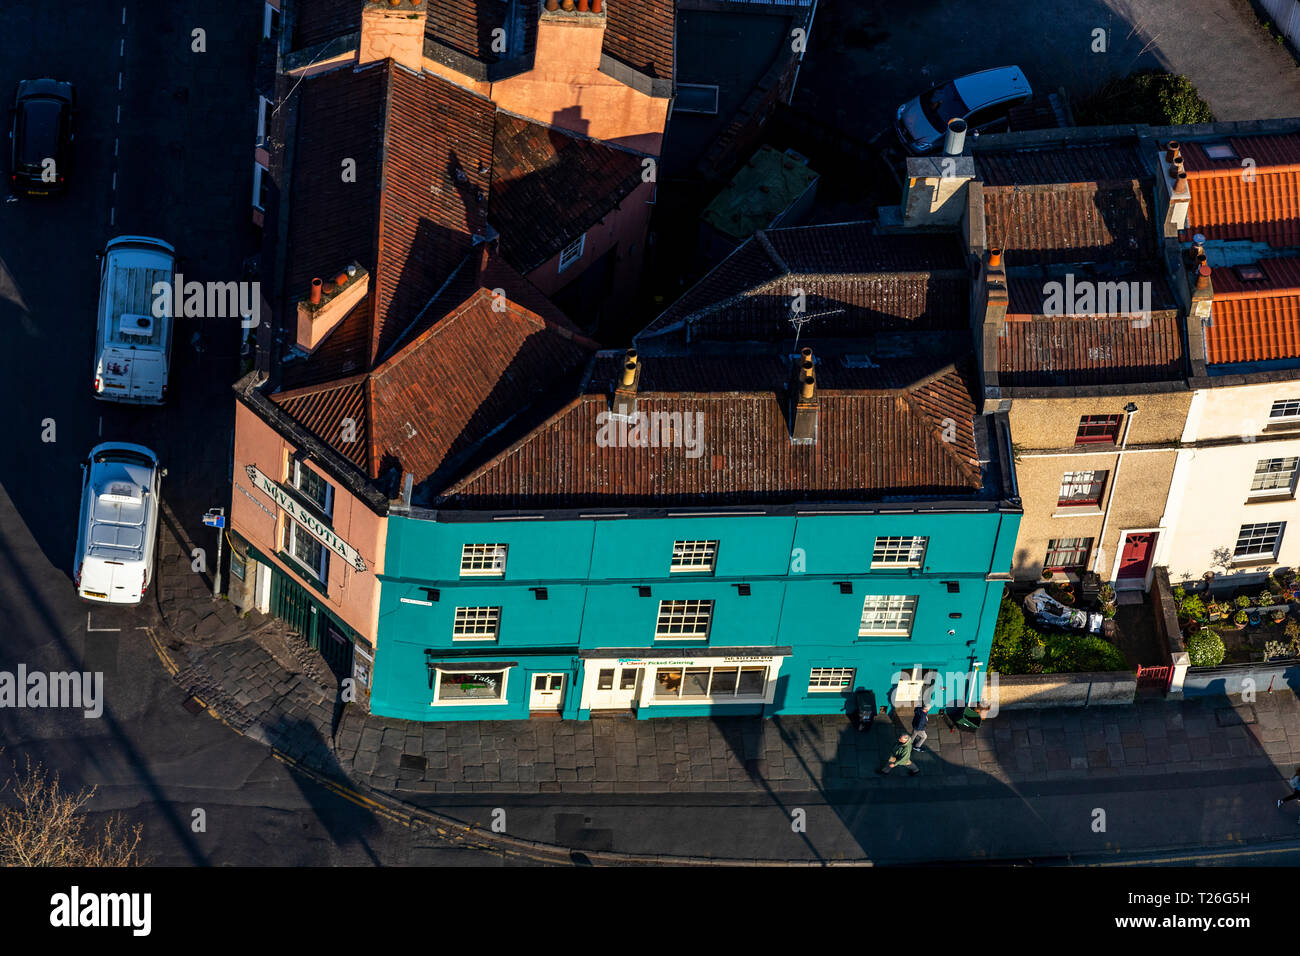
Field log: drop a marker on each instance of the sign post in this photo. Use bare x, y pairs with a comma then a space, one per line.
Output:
216, 518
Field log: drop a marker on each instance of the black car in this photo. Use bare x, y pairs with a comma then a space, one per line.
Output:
40, 139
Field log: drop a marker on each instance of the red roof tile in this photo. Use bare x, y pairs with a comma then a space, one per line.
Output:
1226, 204
333, 412
1255, 321
467, 26
549, 187
1039, 225
871, 442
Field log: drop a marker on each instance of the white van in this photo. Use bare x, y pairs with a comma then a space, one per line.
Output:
132, 345
118, 530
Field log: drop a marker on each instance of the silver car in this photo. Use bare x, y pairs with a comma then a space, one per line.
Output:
982, 99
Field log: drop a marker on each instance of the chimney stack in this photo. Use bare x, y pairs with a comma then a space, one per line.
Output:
393, 29
624, 404
954, 140
1177, 195
803, 416
1202, 293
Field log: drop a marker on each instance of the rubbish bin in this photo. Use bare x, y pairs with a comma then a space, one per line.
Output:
865, 702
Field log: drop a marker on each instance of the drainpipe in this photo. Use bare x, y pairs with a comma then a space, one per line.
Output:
1131, 408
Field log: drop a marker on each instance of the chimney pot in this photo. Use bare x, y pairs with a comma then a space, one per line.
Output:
954, 140
596, 5
995, 258
1180, 185
315, 291
1203, 276
567, 6
341, 279
552, 5
583, 6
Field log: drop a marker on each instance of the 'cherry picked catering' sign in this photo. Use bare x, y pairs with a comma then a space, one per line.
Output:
309, 522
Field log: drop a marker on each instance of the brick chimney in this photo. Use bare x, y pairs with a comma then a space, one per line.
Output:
803, 400
624, 403
1172, 183
326, 302
570, 36
393, 29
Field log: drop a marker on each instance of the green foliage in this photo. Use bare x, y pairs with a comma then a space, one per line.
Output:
1205, 648
1264, 599
1147, 96
1242, 601
1292, 629
1019, 649
1241, 619
1180, 595
1193, 607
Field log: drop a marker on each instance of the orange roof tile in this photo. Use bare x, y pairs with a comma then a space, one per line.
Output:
1228, 204
1255, 321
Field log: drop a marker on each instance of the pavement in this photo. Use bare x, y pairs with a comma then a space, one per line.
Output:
1029, 784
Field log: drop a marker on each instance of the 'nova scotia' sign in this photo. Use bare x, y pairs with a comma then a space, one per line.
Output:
309, 522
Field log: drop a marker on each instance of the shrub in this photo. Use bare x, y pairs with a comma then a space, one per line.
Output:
1205, 648
1274, 649
1242, 601
1264, 599
1147, 96
1194, 607
1292, 629
1241, 619
1017, 647
1071, 653
1180, 595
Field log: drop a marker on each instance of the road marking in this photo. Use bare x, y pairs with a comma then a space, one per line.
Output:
119, 112
121, 50
114, 180
115, 141
119, 79
124, 15
99, 630
1244, 851
112, 216
101, 426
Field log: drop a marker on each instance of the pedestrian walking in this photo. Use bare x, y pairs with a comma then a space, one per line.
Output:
1294, 783
919, 736
902, 757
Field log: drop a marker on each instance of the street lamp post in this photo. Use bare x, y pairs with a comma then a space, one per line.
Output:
216, 518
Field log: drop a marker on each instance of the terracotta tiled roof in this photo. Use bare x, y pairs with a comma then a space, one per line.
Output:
1086, 163
852, 281
1039, 225
1090, 350
875, 439
320, 20
549, 187
1227, 205
639, 33
429, 143
326, 411
1255, 321
452, 385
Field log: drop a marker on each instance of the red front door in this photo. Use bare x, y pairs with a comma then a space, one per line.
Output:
1138, 549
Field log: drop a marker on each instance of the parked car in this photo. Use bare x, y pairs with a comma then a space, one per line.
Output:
133, 344
118, 530
1044, 609
982, 99
40, 137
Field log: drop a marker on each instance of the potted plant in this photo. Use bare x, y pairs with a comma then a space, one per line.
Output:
1292, 629
1240, 619
1279, 616
1214, 610
1275, 649
1108, 611
1242, 601
1264, 599
1194, 608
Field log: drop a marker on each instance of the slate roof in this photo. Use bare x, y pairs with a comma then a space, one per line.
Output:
880, 434
549, 186
451, 386
1225, 205
1255, 321
853, 282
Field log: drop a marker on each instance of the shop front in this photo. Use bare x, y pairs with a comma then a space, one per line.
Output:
736, 681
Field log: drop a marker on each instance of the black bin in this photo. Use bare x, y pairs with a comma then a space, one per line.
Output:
865, 708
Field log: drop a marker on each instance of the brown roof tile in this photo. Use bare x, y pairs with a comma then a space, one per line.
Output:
467, 26
853, 281
333, 412
317, 21
639, 33
1255, 321
549, 187
872, 442
1085, 163
1039, 225
1090, 350
1228, 205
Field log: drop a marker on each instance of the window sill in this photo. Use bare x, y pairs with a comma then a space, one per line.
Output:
473, 640
1256, 561
658, 701
1258, 499
864, 638
1090, 512
466, 703
303, 572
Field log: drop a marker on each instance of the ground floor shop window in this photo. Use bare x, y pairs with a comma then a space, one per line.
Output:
469, 686
685, 683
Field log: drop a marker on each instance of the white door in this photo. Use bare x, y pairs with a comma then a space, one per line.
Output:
547, 693
616, 688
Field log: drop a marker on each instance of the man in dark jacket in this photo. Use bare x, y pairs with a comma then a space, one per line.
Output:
919, 719
902, 757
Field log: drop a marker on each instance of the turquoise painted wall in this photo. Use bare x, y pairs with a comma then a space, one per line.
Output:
591, 570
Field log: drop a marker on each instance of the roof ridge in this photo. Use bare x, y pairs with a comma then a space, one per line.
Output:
949, 448
766, 243
372, 339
